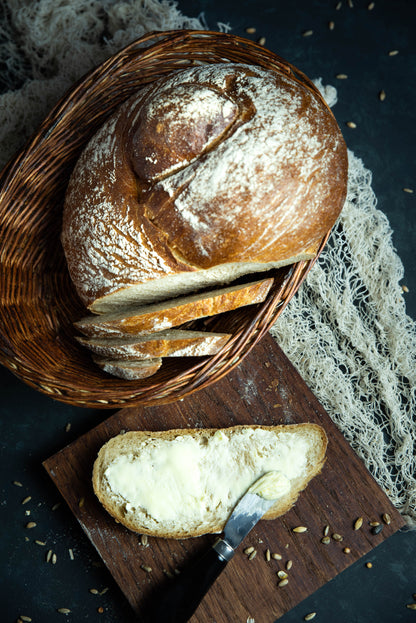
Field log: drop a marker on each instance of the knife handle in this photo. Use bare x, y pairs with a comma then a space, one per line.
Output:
182, 595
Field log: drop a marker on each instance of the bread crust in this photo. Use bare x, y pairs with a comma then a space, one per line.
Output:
126, 441
145, 320
164, 344
171, 187
131, 370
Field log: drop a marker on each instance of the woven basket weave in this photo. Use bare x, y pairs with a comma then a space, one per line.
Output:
38, 301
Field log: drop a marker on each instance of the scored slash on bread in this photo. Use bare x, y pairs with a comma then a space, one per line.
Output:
163, 316
171, 343
210, 470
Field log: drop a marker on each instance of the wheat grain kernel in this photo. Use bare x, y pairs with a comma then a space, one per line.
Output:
358, 523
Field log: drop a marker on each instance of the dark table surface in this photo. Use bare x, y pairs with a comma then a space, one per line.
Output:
33, 426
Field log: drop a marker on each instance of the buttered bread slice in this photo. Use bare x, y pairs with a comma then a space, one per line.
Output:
185, 483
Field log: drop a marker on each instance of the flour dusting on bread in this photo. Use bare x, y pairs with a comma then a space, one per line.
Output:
244, 169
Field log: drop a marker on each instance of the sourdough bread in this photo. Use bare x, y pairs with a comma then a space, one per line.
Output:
173, 343
210, 173
184, 483
163, 316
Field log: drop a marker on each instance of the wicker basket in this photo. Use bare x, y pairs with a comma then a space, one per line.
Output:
38, 301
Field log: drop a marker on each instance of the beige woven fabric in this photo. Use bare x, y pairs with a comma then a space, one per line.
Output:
346, 330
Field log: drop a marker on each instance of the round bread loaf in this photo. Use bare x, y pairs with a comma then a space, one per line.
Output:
208, 174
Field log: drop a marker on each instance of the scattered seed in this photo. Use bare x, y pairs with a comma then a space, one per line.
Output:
100, 610
276, 556
27, 513
326, 531
346, 550
54, 558
250, 30
358, 523
393, 52
310, 616
31, 524
300, 529
17, 483
146, 568
338, 6
93, 591
40, 542
307, 33
289, 565
382, 95
371, 6
252, 555
103, 592
144, 540
337, 537
81, 502
49, 555
374, 523
341, 76
350, 4
68, 427
262, 41
386, 517
249, 550
71, 554
284, 582
351, 124
369, 565
25, 618
325, 540
267, 555
408, 190
377, 529
64, 610
27, 499
168, 573
56, 506
411, 606
282, 574
331, 25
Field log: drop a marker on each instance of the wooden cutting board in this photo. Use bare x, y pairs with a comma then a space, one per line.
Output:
264, 389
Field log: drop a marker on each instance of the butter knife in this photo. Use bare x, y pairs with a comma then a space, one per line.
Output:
182, 596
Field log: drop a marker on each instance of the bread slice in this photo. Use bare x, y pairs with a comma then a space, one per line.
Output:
185, 483
171, 343
162, 316
129, 370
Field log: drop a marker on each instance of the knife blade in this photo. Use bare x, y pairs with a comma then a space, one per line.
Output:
183, 595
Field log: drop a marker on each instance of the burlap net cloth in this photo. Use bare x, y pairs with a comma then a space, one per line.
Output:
346, 330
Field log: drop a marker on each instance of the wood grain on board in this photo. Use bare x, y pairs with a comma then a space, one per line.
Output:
264, 389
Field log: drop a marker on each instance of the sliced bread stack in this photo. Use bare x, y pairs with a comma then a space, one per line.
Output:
132, 342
